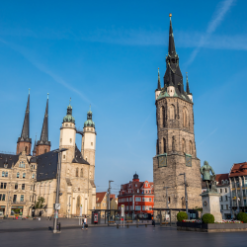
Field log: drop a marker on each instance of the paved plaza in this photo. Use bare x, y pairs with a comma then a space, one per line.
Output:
132, 236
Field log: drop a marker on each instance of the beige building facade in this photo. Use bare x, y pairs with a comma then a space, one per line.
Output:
26, 178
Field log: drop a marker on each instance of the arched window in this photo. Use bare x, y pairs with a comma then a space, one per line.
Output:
26, 149
45, 150
24, 175
183, 146
172, 112
76, 173
191, 147
18, 175
164, 145
162, 111
6, 174
81, 172
3, 174
185, 117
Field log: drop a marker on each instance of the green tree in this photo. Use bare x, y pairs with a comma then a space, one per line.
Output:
39, 203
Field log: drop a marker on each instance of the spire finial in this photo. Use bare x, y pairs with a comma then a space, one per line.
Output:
47, 95
29, 91
170, 15
69, 100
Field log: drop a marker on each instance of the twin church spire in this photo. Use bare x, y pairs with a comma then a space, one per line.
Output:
24, 142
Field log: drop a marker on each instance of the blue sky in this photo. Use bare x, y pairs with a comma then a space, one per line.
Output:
106, 53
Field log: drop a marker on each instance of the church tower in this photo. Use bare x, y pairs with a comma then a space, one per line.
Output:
88, 145
24, 142
44, 145
67, 136
175, 148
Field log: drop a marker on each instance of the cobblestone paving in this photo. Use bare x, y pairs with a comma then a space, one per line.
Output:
132, 236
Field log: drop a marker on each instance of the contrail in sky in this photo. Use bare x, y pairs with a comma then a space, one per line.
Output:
218, 17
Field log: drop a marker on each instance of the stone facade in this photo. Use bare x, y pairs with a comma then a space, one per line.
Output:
175, 148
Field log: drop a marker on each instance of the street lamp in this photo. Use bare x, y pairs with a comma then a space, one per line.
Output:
109, 191
166, 200
57, 205
186, 197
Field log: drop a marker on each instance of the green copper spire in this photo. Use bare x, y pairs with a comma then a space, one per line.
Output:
159, 87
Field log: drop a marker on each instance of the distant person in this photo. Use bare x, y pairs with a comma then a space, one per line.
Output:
85, 222
153, 221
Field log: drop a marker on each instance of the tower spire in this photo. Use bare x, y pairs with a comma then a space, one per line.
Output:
43, 145
159, 87
171, 47
44, 131
25, 128
24, 141
187, 84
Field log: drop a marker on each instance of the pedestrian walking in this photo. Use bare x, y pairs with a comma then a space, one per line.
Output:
153, 221
85, 222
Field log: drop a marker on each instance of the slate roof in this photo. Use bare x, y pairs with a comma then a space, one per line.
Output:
173, 75
8, 159
78, 157
44, 132
47, 165
25, 128
239, 169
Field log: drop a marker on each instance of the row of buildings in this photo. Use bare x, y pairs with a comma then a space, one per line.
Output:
29, 175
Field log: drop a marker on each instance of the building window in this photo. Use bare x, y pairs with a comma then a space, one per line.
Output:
3, 198
138, 208
226, 198
3, 174
91, 143
150, 199
81, 172
222, 207
227, 206
220, 190
16, 186
22, 165
33, 176
22, 198
3, 185
24, 175
185, 117
143, 208
76, 172
14, 198
221, 198
70, 140
23, 187
63, 156
18, 175
226, 190
138, 199
138, 191
6, 174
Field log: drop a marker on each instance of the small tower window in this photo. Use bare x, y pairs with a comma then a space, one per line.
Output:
81, 172
24, 175
63, 156
76, 172
70, 140
18, 175
45, 150
91, 143
26, 149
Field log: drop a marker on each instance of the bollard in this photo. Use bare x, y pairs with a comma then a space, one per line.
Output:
136, 225
127, 226
117, 226
146, 225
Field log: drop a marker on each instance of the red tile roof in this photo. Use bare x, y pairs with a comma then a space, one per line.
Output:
239, 169
100, 196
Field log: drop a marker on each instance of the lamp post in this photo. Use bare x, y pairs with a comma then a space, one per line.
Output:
186, 197
57, 205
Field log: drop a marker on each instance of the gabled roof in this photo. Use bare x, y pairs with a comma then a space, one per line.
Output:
78, 157
239, 169
100, 196
8, 159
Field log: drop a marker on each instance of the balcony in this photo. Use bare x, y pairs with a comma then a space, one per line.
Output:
18, 202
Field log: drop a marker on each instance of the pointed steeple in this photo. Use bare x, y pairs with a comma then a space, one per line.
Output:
25, 128
158, 87
187, 84
44, 132
171, 47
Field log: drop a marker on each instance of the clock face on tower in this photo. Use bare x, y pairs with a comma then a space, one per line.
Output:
162, 160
